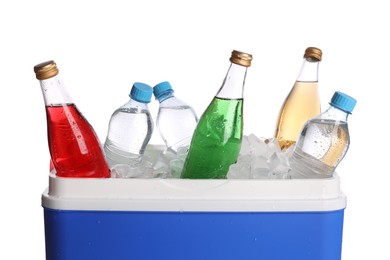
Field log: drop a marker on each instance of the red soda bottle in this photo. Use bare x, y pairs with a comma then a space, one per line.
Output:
74, 147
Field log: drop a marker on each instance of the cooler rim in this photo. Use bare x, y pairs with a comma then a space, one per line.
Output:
182, 195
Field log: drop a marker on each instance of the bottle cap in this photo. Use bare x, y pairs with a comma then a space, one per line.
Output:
241, 58
162, 88
343, 102
313, 54
46, 70
141, 92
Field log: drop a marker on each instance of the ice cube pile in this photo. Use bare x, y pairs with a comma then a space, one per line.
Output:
259, 158
154, 164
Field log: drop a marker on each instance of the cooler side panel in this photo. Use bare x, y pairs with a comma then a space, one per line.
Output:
73, 235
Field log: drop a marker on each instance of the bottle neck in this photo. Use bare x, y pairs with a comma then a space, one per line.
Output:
309, 71
165, 96
233, 84
54, 92
335, 113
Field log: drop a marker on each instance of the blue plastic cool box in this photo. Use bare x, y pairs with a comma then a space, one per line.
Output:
145, 219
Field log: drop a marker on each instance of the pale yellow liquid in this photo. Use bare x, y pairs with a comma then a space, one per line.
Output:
321, 147
301, 104
337, 150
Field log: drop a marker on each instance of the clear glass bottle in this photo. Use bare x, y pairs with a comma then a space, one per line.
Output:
176, 120
324, 140
130, 128
216, 142
74, 147
302, 102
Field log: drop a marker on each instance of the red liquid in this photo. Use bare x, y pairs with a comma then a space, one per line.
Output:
74, 147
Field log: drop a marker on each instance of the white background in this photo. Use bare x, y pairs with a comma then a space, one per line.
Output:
103, 47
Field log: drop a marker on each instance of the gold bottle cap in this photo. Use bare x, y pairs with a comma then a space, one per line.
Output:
241, 58
313, 53
46, 70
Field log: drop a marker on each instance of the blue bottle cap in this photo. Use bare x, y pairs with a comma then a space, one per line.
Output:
141, 92
162, 89
343, 102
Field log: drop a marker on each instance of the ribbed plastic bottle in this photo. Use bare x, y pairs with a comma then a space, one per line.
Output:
176, 120
324, 140
216, 141
75, 149
302, 102
130, 128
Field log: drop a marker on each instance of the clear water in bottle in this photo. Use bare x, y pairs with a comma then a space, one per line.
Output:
126, 143
130, 128
172, 115
176, 120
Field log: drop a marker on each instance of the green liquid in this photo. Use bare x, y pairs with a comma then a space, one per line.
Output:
216, 142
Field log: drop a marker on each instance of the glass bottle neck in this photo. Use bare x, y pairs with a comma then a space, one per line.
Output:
54, 92
335, 113
309, 71
233, 84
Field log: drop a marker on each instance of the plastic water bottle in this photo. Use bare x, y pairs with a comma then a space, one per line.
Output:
302, 102
130, 128
75, 149
176, 120
324, 140
216, 141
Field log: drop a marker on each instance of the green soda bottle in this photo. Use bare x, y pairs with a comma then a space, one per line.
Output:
216, 141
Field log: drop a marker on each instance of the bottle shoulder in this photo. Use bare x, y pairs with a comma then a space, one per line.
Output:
332, 114
131, 103
173, 102
132, 107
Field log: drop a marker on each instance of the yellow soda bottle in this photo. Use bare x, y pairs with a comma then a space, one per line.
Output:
302, 103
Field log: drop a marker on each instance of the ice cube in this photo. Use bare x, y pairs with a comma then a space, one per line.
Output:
145, 168
258, 146
278, 166
124, 171
241, 169
234, 172
176, 167
259, 167
289, 151
119, 170
182, 152
245, 146
163, 160
163, 172
140, 168
272, 147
